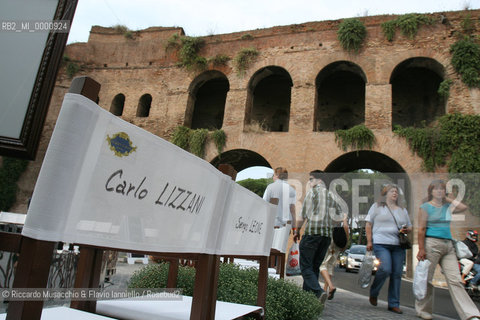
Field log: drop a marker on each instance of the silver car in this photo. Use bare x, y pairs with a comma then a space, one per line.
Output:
355, 258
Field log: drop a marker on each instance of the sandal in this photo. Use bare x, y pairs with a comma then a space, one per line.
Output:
331, 294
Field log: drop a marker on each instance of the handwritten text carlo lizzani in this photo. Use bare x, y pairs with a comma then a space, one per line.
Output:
173, 197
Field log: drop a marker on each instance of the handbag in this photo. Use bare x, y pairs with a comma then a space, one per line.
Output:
339, 237
402, 237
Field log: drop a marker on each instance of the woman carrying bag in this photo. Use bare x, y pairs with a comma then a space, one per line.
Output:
385, 219
435, 244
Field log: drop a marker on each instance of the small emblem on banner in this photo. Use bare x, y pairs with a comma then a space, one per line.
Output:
121, 144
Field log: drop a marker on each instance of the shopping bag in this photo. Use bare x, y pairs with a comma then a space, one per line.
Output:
365, 272
420, 279
293, 260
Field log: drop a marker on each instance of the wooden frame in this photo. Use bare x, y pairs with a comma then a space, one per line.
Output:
26, 145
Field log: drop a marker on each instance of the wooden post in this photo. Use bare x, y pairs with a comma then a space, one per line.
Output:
32, 272
205, 290
85, 86
88, 276
172, 273
262, 282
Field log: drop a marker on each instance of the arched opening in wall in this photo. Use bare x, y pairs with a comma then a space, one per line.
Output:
339, 97
268, 100
118, 103
206, 101
240, 159
363, 174
415, 101
144, 104
247, 164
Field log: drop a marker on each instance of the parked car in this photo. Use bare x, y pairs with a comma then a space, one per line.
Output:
355, 258
342, 258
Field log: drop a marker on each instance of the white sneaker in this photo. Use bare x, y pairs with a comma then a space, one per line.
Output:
424, 315
323, 297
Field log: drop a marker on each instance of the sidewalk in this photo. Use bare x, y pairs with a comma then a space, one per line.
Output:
345, 305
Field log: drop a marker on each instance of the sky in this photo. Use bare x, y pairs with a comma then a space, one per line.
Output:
207, 17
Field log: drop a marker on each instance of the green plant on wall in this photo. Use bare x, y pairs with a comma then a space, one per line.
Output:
180, 137
468, 24
72, 69
466, 60
10, 172
219, 138
219, 60
188, 51
197, 141
355, 138
194, 140
451, 138
407, 23
444, 88
244, 59
351, 34
455, 142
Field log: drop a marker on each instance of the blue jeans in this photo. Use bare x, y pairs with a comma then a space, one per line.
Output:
475, 279
391, 265
312, 251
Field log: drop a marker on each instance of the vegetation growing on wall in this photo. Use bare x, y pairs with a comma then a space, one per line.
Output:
188, 51
127, 33
468, 24
245, 58
444, 88
10, 172
71, 68
351, 34
219, 60
220, 139
455, 142
466, 60
285, 300
355, 138
407, 23
456, 137
195, 141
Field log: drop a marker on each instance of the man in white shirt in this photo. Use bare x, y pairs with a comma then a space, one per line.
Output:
284, 196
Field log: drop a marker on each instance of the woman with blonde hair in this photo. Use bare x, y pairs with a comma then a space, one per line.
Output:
435, 244
385, 219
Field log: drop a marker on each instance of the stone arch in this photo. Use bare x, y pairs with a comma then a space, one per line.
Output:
207, 95
339, 96
268, 99
144, 105
118, 103
377, 161
415, 101
240, 159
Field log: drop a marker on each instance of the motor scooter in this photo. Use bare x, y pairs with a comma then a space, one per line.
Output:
472, 290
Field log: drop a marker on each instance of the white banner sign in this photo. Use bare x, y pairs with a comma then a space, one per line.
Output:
109, 183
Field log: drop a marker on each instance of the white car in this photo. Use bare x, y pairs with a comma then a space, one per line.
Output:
355, 258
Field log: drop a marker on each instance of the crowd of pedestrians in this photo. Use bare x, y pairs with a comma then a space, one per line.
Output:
321, 214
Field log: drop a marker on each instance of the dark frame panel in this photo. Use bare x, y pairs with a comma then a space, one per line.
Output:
25, 147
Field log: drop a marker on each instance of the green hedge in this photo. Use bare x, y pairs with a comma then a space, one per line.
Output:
285, 300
